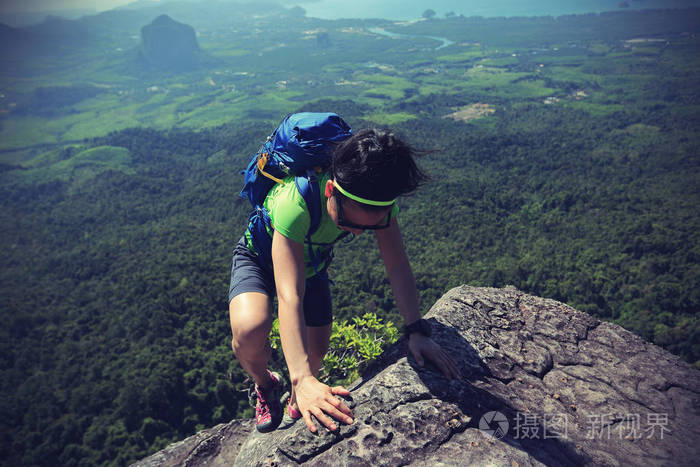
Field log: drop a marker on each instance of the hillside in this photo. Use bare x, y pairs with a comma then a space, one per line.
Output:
563, 161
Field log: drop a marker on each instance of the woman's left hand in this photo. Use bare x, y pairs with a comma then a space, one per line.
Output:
422, 346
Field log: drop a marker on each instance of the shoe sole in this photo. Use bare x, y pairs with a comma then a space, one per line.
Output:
269, 426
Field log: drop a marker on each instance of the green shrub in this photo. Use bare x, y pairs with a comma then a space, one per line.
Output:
352, 346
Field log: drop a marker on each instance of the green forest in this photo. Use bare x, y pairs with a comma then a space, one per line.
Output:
563, 157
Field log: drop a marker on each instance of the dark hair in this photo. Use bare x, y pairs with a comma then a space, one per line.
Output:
376, 165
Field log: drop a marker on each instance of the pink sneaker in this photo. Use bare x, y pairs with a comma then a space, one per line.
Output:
268, 410
294, 414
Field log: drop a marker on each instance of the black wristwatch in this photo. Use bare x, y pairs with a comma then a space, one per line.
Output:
421, 326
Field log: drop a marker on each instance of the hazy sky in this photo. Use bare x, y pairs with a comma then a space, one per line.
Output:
49, 5
384, 8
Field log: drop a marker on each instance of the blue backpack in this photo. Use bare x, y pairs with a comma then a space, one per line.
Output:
301, 146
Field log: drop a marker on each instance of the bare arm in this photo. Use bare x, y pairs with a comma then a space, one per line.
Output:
398, 269
403, 285
313, 397
288, 264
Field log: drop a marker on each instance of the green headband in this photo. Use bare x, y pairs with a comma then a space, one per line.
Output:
363, 200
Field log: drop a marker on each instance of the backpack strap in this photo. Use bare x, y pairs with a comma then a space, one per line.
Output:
308, 189
258, 222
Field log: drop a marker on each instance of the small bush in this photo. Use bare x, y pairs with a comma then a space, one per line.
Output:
352, 346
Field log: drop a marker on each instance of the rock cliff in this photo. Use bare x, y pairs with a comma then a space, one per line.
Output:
543, 384
169, 45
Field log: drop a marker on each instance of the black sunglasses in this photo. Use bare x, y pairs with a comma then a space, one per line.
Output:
343, 223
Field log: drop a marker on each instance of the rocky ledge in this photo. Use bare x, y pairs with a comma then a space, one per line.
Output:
543, 384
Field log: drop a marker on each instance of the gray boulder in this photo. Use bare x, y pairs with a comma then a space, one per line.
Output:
543, 384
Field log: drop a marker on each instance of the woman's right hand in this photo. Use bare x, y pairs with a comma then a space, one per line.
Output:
318, 399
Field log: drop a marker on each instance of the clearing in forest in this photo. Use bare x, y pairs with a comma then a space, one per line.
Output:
470, 112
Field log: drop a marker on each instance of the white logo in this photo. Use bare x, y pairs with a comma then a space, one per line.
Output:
494, 424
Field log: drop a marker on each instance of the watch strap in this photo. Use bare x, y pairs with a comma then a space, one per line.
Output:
421, 326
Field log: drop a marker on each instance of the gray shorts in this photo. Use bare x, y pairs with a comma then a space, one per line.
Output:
248, 275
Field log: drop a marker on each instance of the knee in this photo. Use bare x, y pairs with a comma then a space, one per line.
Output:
249, 333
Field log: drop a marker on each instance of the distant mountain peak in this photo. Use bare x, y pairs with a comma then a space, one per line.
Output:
57, 30
169, 45
53, 19
164, 20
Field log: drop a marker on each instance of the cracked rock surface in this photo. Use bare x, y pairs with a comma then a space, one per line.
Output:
542, 384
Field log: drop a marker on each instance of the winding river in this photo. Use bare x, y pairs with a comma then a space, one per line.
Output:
444, 41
